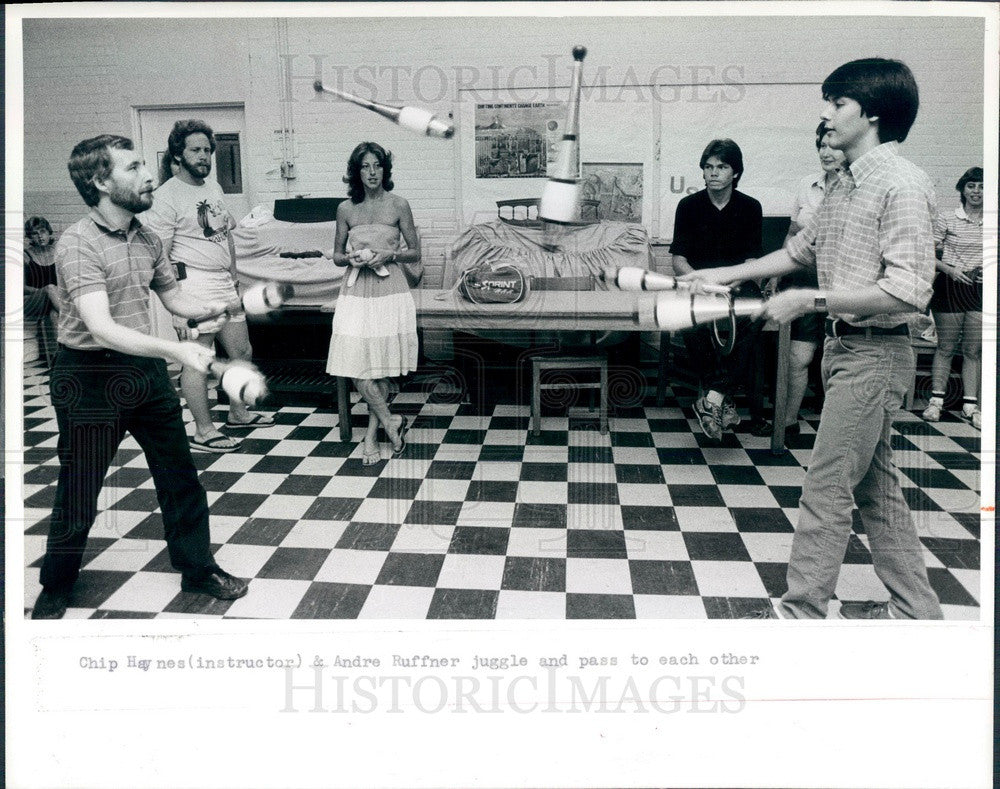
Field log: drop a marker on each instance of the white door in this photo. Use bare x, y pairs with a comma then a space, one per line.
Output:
229, 160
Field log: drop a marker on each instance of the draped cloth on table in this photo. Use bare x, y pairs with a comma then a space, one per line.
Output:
584, 249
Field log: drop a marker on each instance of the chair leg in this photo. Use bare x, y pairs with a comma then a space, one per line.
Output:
604, 400
662, 369
536, 399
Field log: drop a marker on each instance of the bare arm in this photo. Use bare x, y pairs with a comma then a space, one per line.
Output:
680, 265
774, 264
184, 305
409, 231
339, 252
864, 302
96, 314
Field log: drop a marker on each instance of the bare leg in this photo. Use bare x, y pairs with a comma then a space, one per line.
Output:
949, 332
374, 393
236, 342
972, 353
194, 387
801, 354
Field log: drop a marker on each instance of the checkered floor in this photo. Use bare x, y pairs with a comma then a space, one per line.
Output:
483, 520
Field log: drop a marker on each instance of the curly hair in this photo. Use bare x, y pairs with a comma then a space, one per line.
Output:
355, 189
184, 129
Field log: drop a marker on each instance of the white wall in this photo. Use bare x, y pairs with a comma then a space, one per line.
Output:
83, 77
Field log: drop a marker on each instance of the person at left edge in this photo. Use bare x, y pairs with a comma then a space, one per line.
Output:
110, 376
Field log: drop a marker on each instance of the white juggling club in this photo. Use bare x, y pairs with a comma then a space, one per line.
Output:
560, 203
413, 118
635, 278
241, 380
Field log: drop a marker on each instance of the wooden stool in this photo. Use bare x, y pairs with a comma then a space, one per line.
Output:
541, 364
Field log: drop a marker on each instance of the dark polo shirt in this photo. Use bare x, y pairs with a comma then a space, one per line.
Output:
708, 237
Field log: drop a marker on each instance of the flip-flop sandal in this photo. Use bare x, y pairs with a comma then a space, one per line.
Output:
371, 458
403, 427
217, 444
257, 420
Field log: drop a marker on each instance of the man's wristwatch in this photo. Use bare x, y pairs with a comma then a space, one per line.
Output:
819, 304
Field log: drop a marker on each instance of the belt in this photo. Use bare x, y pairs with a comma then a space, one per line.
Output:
838, 328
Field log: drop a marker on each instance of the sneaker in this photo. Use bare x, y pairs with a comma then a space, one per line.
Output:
220, 585
709, 417
50, 605
972, 415
730, 416
867, 610
933, 411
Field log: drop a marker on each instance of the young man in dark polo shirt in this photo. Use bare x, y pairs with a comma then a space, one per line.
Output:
110, 376
719, 226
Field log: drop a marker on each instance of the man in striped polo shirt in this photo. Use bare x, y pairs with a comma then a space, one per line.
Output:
110, 376
872, 245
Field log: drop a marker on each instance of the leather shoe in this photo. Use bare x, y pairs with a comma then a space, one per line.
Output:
50, 605
220, 585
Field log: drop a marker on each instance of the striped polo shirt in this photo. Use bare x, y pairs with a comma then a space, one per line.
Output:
961, 238
91, 255
874, 228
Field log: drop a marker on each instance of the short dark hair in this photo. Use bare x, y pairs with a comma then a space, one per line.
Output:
821, 131
184, 129
973, 175
728, 152
884, 88
36, 223
355, 188
91, 159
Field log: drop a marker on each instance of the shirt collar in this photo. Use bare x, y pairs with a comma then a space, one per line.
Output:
98, 219
960, 213
872, 160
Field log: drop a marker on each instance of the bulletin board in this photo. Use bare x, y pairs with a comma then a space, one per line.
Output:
612, 129
664, 130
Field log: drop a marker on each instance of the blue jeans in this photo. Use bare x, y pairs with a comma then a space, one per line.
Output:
97, 396
851, 464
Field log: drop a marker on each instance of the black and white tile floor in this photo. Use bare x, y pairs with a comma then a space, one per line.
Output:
483, 520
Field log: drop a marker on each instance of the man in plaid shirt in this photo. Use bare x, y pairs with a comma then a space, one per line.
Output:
872, 244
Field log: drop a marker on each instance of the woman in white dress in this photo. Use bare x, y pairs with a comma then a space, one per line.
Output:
374, 334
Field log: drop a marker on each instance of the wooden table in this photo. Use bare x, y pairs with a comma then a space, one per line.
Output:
549, 311
541, 311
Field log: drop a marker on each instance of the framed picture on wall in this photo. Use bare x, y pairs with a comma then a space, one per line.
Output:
517, 140
618, 188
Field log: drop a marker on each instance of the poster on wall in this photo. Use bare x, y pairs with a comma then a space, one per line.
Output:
617, 186
517, 140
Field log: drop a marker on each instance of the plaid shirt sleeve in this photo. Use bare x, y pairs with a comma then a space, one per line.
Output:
802, 246
906, 243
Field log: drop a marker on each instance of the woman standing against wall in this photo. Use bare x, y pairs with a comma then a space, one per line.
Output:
957, 303
41, 299
374, 335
